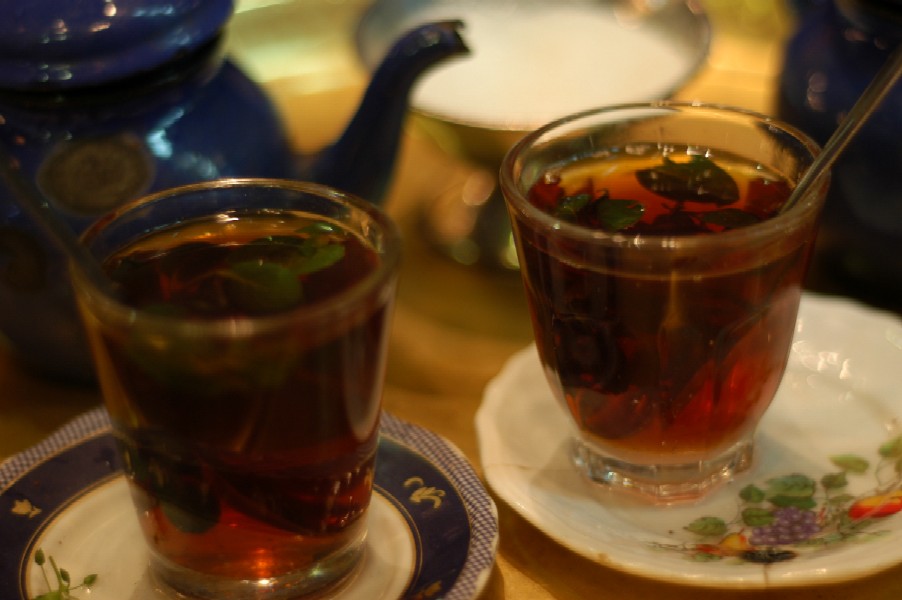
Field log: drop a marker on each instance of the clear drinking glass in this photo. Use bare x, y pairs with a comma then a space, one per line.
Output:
241, 354
664, 280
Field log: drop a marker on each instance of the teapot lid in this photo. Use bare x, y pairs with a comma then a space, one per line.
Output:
62, 44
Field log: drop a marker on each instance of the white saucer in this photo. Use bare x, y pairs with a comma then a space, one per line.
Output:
839, 402
68, 498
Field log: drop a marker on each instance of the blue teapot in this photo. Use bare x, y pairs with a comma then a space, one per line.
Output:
102, 101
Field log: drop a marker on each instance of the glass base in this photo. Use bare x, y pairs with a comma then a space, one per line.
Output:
663, 484
318, 581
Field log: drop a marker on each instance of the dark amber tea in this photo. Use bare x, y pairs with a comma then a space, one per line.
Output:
246, 393
263, 443
663, 277
663, 366
645, 191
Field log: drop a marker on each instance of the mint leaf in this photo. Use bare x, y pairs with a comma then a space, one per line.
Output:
261, 287
569, 207
617, 215
321, 258
699, 180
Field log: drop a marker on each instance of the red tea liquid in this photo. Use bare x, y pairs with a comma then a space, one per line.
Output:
249, 457
662, 366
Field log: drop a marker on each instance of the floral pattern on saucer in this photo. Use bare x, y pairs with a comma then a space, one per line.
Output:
795, 514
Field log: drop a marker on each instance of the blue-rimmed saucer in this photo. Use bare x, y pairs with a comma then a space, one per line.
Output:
433, 530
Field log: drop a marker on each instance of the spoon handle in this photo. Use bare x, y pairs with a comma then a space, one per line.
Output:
30, 200
864, 107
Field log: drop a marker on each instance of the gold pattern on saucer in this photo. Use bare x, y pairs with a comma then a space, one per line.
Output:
424, 492
93, 175
25, 508
433, 591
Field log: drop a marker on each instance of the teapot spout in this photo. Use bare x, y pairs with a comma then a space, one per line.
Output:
362, 161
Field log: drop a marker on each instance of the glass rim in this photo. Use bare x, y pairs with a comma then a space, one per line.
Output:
244, 326
516, 198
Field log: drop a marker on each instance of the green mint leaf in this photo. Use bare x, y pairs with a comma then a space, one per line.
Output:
261, 287
570, 206
89, 579
617, 215
322, 258
313, 252
64, 575
317, 229
39, 557
699, 180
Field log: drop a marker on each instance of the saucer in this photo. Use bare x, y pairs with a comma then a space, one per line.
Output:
829, 450
432, 528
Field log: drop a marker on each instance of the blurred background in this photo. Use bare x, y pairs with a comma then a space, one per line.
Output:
306, 54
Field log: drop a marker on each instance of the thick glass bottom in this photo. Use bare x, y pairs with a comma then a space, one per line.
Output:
316, 582
663, 484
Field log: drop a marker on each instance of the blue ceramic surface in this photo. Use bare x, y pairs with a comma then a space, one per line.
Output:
69, 43
86, 149
87, 152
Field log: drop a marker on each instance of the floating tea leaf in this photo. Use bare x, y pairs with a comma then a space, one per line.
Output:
261, 287
617, 215
569, 207
699, 180
730, 218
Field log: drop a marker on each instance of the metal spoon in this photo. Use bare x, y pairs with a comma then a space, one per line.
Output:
33, 203
864, 107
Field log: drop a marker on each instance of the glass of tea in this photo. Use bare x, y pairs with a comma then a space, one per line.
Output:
663, 275
240, 350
